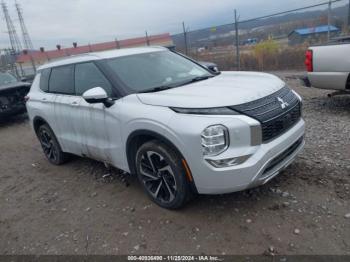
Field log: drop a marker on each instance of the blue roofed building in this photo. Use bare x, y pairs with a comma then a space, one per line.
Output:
312, 34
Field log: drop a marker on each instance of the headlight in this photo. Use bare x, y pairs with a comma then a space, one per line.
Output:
301, 101
205, 111
298, 96
214, 140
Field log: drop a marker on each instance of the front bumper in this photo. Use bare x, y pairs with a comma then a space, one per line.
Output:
266, 161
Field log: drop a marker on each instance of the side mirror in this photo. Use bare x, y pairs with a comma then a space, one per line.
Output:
213, 68
97, 95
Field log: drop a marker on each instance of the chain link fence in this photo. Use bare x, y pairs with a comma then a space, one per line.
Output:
272, 42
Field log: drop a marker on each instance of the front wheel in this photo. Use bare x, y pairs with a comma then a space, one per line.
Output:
160, 172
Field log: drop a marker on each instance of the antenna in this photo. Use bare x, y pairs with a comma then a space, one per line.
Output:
15, 43
25, 35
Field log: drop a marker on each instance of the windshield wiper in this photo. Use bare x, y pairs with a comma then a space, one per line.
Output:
200, 78
156, 89
196, 79
165, 87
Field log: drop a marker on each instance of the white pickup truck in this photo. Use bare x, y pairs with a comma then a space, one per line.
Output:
328, 67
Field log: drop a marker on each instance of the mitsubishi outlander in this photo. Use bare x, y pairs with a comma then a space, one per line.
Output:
177, 126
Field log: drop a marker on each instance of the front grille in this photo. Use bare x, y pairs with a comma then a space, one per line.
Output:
279, 125
275, 119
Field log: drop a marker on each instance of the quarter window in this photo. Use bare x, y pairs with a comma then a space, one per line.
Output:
44, 80
88, 76
61, 80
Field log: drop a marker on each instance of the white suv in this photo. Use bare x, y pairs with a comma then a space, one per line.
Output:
161, 116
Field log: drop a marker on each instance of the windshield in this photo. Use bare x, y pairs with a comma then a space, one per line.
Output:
143, 72
6, 78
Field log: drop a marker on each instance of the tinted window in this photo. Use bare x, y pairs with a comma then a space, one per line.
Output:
61, 80
88, 76
44, 80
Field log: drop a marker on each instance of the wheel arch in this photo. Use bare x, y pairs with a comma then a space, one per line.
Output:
39, 121
139, 137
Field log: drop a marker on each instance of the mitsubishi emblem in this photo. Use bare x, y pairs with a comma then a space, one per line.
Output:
283, 103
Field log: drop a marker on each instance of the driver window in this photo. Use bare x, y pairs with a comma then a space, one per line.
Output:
87, 76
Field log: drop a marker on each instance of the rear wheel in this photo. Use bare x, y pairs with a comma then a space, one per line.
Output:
160, 171
50, 145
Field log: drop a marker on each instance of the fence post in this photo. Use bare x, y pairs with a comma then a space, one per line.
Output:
33, 62
329, 19
238, 59
22, 71
185, 37
147, 39
117, 43
349, 16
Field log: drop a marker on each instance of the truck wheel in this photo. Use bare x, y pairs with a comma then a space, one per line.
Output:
161, 174
50, 145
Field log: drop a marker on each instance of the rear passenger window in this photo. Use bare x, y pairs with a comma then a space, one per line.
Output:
88, 76
61, 80
44, 80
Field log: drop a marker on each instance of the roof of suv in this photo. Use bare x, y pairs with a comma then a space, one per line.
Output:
101, 55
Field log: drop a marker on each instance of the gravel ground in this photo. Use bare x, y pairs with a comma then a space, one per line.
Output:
76, 209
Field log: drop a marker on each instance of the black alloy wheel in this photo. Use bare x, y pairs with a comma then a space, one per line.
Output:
50, 145
160, 171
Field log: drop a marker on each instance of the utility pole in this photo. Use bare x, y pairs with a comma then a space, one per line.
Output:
185, 37
238, 60
25, 35
14, 40
26, 38
329, 19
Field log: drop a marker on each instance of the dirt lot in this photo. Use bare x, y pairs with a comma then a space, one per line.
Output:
73, 209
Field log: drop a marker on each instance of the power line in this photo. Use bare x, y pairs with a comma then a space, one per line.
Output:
269, 16
290, 11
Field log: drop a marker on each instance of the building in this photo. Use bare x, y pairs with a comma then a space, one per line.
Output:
28, 60
312, 34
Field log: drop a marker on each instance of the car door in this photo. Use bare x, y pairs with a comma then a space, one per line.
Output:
61, 84
99, 126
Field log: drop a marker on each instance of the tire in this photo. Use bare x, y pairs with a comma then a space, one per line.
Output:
50, 145
161, 174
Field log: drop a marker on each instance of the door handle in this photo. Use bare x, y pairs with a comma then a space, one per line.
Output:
74, 103
44, 100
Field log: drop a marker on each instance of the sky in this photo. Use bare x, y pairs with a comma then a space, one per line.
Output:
52, 22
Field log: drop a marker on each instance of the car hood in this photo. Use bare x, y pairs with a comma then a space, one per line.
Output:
226, 89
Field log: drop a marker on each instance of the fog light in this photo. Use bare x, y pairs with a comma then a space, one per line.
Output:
228, 161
